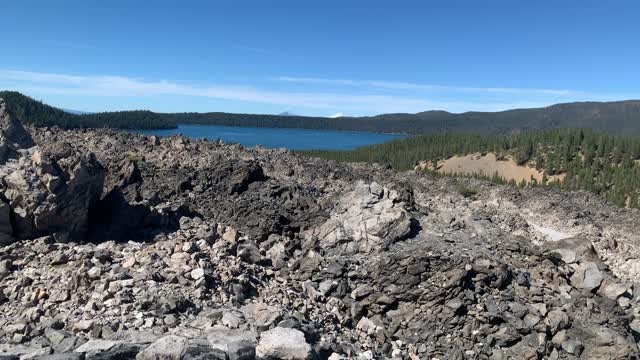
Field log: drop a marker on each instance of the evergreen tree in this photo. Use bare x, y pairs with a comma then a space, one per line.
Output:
588, 160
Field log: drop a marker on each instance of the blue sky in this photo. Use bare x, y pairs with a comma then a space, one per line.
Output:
320, 57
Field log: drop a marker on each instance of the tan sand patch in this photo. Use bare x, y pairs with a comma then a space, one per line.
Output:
488, 165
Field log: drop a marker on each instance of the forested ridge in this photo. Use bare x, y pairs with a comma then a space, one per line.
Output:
608, 165
30, 111
37, 113
622, 117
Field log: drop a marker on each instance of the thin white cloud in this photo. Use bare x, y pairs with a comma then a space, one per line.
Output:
391, 85
363, 103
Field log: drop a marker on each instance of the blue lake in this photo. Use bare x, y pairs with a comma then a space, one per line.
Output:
294, 139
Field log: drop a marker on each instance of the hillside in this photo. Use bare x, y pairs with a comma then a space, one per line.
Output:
595, 161
622, 117
31, 111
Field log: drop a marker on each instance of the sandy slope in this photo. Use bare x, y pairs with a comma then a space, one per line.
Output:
488, 165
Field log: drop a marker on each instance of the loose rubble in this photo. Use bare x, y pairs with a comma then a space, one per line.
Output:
121, 246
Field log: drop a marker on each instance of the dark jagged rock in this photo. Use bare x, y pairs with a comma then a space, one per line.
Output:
13, 136
49, 192
262, 253
124, 214
6, 229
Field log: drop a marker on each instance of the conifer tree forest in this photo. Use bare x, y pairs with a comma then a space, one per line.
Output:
608, 165
36, 113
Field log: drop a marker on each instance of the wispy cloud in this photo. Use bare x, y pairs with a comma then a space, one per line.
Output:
356, 101
391, 85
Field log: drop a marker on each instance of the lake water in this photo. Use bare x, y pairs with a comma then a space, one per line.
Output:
294, 139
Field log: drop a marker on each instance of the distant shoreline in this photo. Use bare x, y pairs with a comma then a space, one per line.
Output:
289, 138
278, 127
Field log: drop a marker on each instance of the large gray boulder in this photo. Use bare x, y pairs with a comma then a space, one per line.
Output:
587, 276
233, 342
588, 268
283, 343
170, 347
572, 250
261, 315
371, 217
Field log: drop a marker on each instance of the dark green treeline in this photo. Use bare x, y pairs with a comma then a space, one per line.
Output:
621, 117
30, 111
605, 164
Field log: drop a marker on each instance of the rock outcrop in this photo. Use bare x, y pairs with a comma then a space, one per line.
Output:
369, 218
49, 193
283, 343
179, 249
13, 136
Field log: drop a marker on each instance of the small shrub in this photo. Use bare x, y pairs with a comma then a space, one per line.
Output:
134, 158
467, 192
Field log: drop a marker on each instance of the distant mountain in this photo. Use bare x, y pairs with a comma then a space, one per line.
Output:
337, 115
622, 117
286, 113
